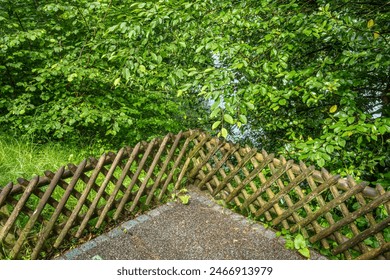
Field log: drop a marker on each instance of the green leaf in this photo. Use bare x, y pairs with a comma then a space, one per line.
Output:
329, 149
154, 56
71, 77
299, 241
238, 66
243, 119
215, 125
127, 74
383, 129
250, 105
265, 67
224, 132
320, 162
185, 199
342, 142
97, 257
215, 112
117, 81
282, 102
199, 49
289, 244
228, 118
142, 69
333, 109
305, 252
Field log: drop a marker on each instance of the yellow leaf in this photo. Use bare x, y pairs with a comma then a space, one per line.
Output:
376, 35
333, 109
179, 93
370, 23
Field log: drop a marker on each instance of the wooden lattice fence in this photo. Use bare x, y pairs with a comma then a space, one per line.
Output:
37, 215
40, 216
345, 217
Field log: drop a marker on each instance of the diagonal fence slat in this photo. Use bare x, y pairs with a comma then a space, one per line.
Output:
37, 212
363, 235
64, 199
345, 212
150, 172
15, 213
268, 183
246, 181
335, 202
369, 216
41, 216
364, 210
272, 182
188, 160
307, 199
375, 252
5, 192
218, 166
119, 183
176, 165
312, 186
81, 200
254, 185
235, 171
99, 194
284, 191
133, 181
164, 168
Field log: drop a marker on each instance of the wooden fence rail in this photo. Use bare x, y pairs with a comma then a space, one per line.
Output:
40, 216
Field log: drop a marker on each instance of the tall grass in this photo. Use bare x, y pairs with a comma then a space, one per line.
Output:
22, 158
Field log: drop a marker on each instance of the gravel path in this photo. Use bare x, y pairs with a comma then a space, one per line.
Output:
200, 230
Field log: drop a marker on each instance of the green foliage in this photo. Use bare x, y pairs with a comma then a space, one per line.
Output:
181, 195
295, 242
75, 69
317, 77
185, 199
308, 79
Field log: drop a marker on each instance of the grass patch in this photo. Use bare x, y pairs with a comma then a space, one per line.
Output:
22, 158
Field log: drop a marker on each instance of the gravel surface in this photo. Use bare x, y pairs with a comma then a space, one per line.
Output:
201, 230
